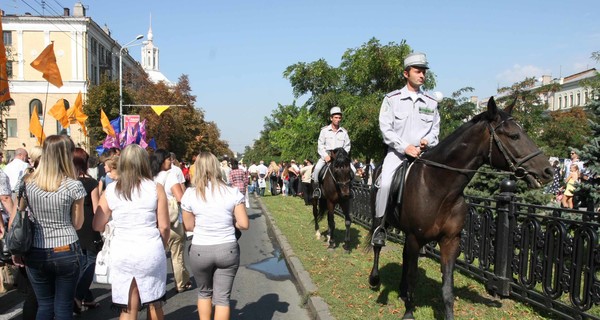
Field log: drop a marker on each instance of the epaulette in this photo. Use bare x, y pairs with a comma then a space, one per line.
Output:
428, 95
393, 93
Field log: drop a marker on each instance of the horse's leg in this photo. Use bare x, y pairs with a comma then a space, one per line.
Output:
410, 258
331, 224
374, 280
345, 204
315, 203
449, 250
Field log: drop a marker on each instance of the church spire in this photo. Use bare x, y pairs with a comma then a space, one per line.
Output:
150, 36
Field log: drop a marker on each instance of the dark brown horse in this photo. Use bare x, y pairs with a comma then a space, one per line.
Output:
433, 206
335, 190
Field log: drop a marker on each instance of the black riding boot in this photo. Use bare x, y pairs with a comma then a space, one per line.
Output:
379, 234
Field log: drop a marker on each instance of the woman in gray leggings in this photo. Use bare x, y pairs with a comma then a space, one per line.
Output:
208, 210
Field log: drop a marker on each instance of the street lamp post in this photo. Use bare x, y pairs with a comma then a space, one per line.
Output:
127, 45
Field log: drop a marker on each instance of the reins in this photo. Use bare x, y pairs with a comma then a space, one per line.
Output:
518, 171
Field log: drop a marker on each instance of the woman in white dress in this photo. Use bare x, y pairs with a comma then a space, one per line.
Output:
213, 211
138, 207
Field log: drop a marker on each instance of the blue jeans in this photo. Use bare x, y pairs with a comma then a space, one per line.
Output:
53, 276
88, 266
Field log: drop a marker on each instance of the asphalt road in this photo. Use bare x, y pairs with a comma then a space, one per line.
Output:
263, 287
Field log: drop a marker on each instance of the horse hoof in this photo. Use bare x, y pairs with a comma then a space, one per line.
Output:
374, 282
408, 316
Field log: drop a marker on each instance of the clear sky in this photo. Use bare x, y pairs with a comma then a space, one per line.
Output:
235, 51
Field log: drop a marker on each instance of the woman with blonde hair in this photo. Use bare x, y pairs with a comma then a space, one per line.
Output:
572, 179
213, 211
55, 198
140, 224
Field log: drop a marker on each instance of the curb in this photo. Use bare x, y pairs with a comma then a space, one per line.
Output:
316, 305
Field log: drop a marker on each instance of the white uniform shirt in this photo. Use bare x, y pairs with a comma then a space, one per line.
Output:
404, 122
329, 140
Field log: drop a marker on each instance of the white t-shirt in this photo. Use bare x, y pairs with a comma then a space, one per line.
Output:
213, 217
167, 179
178, 173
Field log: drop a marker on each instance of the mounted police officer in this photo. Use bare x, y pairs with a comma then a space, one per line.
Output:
331, 137
409, 122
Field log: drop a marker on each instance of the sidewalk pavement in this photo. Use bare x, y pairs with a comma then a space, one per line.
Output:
317, 306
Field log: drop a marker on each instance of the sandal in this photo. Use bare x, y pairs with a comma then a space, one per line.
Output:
187, 287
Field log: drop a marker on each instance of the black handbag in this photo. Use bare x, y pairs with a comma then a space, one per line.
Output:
19, 237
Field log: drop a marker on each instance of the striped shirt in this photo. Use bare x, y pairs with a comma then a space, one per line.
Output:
52, 212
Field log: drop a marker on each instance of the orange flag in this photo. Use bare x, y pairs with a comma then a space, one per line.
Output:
46, 64
76, 112
106, 127
59, 113
35, 127
4, 92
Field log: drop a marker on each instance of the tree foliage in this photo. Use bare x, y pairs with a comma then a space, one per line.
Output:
357, 85
180, 129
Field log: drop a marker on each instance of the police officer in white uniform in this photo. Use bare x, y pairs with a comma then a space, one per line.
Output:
331, 137
409, 122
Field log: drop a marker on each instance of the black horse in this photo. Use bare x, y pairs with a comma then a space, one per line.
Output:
335, 190
433, 206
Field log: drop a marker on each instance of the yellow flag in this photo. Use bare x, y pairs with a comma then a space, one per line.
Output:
76, 113
59, 113
4, 92
106, 127
35, 127
159, 109
46, 64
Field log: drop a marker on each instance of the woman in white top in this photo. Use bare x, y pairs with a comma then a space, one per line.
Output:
213, 211
140, 222
161, 165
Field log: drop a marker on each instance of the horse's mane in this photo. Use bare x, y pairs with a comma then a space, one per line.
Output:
341, 158
456, 134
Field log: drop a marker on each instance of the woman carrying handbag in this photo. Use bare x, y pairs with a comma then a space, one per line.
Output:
56, 201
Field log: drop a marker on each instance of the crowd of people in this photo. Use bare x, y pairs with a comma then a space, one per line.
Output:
72, 199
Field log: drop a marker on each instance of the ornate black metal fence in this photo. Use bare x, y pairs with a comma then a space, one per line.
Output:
546, 256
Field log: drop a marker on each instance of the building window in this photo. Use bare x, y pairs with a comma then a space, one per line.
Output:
578, 99
560, 102
585, 97
11, 128
571, 100
7, 37
59, 127
36, 103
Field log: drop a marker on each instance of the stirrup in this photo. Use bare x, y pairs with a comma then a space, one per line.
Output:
317, 193
381, 234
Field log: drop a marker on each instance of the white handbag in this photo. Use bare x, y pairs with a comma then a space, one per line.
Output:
102, 270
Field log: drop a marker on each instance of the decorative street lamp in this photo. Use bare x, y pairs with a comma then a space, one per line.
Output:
127, 45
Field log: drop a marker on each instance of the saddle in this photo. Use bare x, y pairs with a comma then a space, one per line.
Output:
321, 173
397, 186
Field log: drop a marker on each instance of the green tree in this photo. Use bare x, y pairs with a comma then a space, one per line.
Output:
455, 110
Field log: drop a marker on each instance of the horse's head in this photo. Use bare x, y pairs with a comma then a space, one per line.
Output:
512, 149
342, 173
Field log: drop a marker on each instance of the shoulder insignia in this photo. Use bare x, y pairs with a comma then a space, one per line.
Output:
393, 93
428, 95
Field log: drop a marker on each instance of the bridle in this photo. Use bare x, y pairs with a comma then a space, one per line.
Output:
338, 185
514, 164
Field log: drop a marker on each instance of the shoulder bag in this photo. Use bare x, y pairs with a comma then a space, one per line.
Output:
19, 237
102, 268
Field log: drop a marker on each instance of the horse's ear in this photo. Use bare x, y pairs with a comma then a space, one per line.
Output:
510, 107
492, 109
